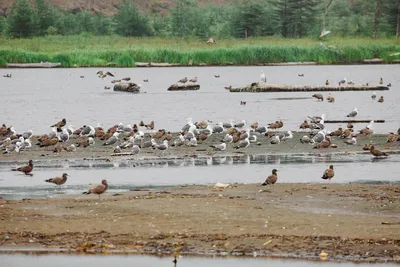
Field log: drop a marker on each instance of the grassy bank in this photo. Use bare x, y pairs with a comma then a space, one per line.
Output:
84, 50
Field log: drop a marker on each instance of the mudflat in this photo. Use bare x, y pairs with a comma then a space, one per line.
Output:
347, 221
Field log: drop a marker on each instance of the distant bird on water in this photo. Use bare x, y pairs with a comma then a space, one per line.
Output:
272, 178
98, 189
373, 96
58, 180
326, 82
328, 174
103, 74
381, 100
25, 169
318, 96
381, 81
263, 77
353, 113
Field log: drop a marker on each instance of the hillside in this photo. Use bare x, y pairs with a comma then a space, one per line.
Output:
108, 7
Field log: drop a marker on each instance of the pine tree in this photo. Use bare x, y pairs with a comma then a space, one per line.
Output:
129, 22
22, 23
46, 16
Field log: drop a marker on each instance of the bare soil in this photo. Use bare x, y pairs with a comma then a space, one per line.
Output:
289, 220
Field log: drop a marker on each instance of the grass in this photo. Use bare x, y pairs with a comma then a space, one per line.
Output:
87, 50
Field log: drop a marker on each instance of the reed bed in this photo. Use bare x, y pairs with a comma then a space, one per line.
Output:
86, 50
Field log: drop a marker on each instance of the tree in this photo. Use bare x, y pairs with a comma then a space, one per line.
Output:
181, 17
21, 23
398, 20
376, 18
129, 22
324, 31
2, 24
46, 16
248, 20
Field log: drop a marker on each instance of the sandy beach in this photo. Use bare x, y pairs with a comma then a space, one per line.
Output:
347, 221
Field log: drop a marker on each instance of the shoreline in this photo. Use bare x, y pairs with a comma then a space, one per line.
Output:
286, 221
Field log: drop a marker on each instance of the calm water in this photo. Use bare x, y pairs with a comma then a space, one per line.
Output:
20, 260
123, 177
36, 98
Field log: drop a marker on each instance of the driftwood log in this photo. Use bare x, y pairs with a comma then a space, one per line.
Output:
267, 88
353, 121
34, 65
127, 87
184, 87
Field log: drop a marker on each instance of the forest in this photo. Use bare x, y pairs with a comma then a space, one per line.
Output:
239, 19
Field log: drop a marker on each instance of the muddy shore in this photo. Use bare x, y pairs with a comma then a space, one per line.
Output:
261, 147
347, 221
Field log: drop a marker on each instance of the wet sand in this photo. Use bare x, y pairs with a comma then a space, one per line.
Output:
289, 220
263, 146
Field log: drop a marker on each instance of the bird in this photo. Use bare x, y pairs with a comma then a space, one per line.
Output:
305, 125
305, 139
126, 79
381, 81
272, 178
60, 124
275, 140
194, 80
117, 149
8, 75
328, 173
391, 138
380, 100
373, 96
318, 96
263, 77
150, 126
27, 134
98, 189
343, 81
228, 87
330, 98
243, 144
350, 125
112, 140
107, 87
219, 147
184, 80
58, 180
300, 74
377, 153
326, 82
25, 169
217, 76
135, 150
243, 103
352, 141
146, 80
353, 113
103, 74
389, 85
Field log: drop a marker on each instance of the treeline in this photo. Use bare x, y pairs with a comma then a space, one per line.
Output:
247, 18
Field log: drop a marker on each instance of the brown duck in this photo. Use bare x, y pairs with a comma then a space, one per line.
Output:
160, 133
99, 132
201, 124
350, 125
254, 125
305, 125
337, 132
274, 125
83, 142
231, 131
381, 100
272, 178
3, 130
367, 147
48, 142
25, 169
98, 189
150, 126
326, 143
141, 123
328, 173
377, 153
58, 180
391, 138
330, 98
346, 133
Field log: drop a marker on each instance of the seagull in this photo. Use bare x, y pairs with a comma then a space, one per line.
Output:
64, 136
179, 141
253, 138
112, 140
261, 129
135, 150
184, 80
228, 125
194, 80
103, 74
117, 149
88, 131
240, 124
27, 134
287, 135
98, 189
353, 113
128, 143
163, 147
343, 81
243, 143
263, 77
275, 140
319, 137
219, 147
227, 138
305, 139
11, 148
352, 141
218, 128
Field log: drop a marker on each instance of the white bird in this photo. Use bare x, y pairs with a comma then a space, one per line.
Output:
219, 147
373, 96
253, 138
112, 140
10, 148
353, 113
179, 141
135, 150
227, 139
288, 135
218, 128
53, 133
91, 141
64, 136
243, 143
117, 149
128, 143
275, 140
192, 142
352, 141
305, 139
263, 77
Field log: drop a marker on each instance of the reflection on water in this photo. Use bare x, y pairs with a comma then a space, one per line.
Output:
125, 175
51, 260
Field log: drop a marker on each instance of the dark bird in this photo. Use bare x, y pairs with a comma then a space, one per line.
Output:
59, 125
377, 153
25, 169
150, 126
146, 80
367, 147
98, 189
300, 75
126, 79
350, 125
381, 81
391, 138
326, 82
330, 98
272, 178
389, 85
184, 80
305, 125
318, 96
58, 180
8, 75
380, 100
243, 103
107, 87
328, 173
228, 87
217, 76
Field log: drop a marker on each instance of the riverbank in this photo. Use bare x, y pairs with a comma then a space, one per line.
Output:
96, 51
261, 147
347, 221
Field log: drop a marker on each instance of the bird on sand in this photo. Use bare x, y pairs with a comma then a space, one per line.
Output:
377, 153
328, 174
58, 180
103, 74
263, 78
60, 124
318, 96
219, 147
25, 169
272, 178
353, 113
391, 138
98, 189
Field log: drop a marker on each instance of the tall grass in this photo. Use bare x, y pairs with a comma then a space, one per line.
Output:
84, 50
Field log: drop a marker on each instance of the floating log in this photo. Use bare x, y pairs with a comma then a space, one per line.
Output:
373, 61
152, 64
127, 87
184, 87
353, 121
267, 88
34, 65
305, 63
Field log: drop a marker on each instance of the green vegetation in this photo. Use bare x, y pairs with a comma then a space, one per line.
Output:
87, 50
